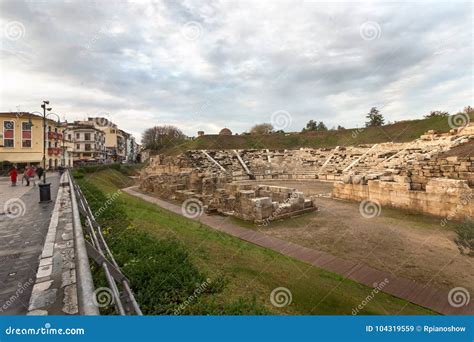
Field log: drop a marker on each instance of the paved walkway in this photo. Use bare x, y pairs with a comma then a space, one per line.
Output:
23, 226
55, 290
420, 294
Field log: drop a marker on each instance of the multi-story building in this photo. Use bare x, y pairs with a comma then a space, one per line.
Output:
132, 149
117, 144
22, 137
87, 143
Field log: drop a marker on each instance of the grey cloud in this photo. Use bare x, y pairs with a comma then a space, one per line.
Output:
237, 73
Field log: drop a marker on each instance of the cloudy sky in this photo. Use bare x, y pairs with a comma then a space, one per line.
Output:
203, 65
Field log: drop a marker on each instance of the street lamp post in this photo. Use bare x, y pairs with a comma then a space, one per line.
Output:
44, 136
45, 190
64, 147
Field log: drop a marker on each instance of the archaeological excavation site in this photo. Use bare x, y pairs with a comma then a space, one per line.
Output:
432, 175
364, 211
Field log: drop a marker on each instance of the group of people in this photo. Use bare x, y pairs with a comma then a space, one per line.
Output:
28, 174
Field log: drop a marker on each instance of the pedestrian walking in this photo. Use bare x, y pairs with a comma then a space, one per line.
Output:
31, 174
26, 177
13, 174
39, 172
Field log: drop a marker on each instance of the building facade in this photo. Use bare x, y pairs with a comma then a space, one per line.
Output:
132, 150
118, 146
86, 142
22, 137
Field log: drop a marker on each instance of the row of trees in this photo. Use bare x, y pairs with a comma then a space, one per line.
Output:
160, 137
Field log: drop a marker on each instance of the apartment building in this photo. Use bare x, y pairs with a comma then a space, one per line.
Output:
132, 149
118, 143
86, 142
22, 137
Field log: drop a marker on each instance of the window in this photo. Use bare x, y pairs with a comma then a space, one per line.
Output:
8, 134
87, 136
78, 135
78, 146
88, 147
25, 134
69, 137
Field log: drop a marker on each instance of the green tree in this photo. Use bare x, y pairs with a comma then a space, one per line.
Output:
321, 126
436, 113
375, 118
312, 126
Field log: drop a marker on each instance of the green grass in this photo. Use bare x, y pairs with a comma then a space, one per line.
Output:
465, 237
246, 273
402, 131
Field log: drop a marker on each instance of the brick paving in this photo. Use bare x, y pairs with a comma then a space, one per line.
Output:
417, 293
23, 230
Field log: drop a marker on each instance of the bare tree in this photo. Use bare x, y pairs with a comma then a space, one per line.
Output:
158, 137
264, 128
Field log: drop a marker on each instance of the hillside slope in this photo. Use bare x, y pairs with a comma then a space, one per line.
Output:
398, 132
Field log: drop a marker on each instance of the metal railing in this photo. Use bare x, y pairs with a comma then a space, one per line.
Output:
98, 250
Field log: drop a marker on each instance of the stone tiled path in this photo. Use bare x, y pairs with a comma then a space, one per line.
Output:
23, 228
418, 293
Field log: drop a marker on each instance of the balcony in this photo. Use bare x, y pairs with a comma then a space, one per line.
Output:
55, 136
56, 151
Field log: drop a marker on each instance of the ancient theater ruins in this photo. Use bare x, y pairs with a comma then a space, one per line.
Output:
432, 175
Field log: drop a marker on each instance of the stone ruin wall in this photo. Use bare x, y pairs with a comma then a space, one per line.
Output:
414, 175
218, 194
447, 198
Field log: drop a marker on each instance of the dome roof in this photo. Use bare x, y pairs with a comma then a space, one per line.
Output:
225, 131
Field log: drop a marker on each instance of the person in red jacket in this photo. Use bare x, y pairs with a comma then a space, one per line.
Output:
13, 174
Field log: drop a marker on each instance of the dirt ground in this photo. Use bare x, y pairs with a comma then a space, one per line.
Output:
409, 245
